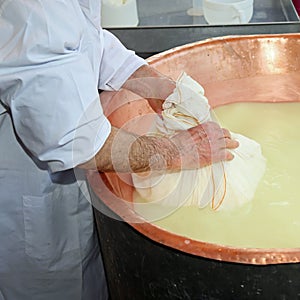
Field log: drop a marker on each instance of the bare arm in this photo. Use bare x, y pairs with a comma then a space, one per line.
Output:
194, 148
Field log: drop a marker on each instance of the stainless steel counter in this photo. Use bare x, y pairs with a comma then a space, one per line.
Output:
162, 26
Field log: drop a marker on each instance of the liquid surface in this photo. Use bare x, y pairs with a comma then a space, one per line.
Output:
272, 219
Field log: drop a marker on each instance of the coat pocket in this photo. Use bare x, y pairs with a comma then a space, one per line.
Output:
51, 230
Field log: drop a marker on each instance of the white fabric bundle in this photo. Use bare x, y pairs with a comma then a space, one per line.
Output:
223, 185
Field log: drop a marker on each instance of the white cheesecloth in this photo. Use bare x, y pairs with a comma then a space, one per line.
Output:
223, 185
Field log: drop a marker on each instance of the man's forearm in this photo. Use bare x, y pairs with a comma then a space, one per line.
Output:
188, 149
126, 152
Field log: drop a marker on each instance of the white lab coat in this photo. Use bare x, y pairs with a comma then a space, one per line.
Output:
53, 57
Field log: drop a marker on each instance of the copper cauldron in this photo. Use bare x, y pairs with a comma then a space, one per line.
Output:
144, 261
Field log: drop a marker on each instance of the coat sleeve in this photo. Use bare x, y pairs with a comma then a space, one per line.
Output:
48, 84
117, 63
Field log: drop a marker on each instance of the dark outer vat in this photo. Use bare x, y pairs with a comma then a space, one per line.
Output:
143, 261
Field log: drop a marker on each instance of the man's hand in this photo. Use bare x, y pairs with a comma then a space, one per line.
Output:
151, 85
203, 145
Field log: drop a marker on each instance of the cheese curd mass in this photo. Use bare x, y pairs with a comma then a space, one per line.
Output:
271, 219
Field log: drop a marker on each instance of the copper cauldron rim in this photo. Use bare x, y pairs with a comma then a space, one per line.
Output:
157, 57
